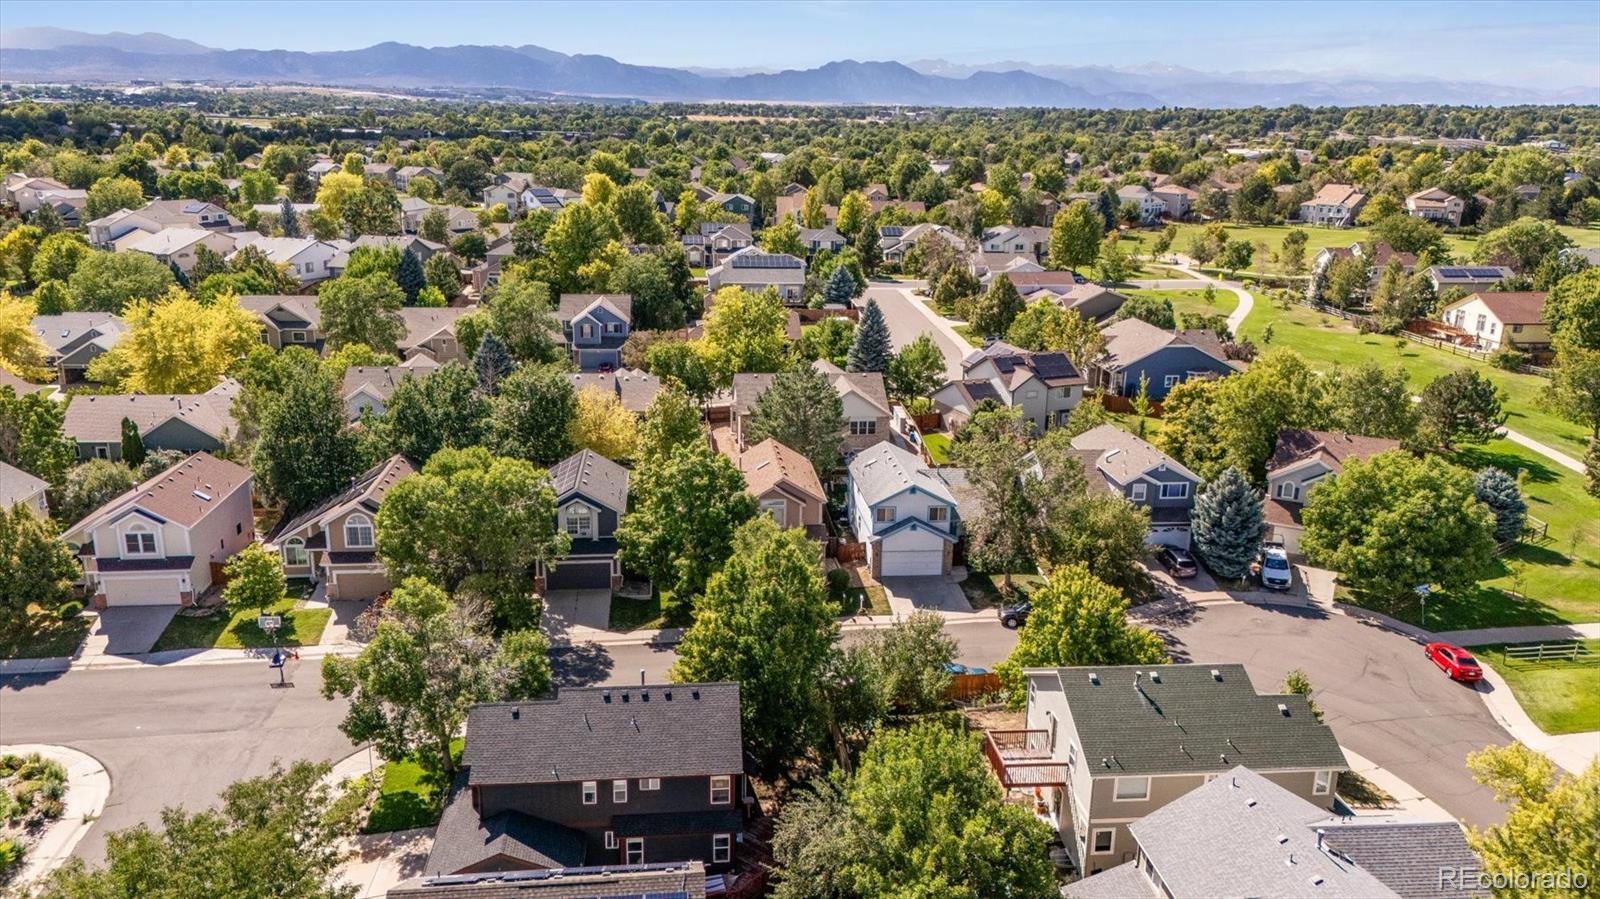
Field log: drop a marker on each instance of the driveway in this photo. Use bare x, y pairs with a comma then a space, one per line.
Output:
568, 613
914, 594
909, 318
131, 630
1382, 698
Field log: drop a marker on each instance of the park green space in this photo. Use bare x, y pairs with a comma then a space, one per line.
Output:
1561, 696
1191, 300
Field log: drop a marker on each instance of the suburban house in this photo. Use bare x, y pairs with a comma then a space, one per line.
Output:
1104, 747
367, 388
1470, 279
155, 215
23, 190
1126, 465
164, 541
786, 485
1177, 199
404, 174
862, 394
1151, 207
897, 240
412, 210
550, 198
1335, 205
1136, 349
591, 495
1261, 839
336, 543
506, 189
1495, 319
1301, 460
679, 880
755, 271
199, 422
1376, 255
422, 249
72, 340
634, 388
17, 487
176, 246
310, 260
1030, 284
817, 239
431, 332
287, 320
598, 776
595, 327
738, 204
1032, 241
1045, 386
903, 511
715, 243
1436, 205
1091, 301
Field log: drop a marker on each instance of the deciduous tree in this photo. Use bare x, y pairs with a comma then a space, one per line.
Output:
36, 568
1461, 407
745, 333
917, 370
178, 345
444, 409
362, 310
107, 282
304, 454
1553, 825
600, 423
533, 415
255, 578
679, 530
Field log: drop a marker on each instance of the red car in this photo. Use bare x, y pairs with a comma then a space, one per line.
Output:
1455, 661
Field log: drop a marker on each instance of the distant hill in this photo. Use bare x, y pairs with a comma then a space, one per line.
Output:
55, 54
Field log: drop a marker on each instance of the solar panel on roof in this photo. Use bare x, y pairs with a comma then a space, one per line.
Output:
1484, 272
892, 231
1453, 272
766, 260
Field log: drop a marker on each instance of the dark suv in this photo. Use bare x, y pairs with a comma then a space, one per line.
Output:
1015, 616
1178, 562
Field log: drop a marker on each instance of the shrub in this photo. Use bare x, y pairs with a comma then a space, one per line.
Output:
838, 583
1509, 359
69, 610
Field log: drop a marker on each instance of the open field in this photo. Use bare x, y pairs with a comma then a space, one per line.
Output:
1562, 697
1192, 301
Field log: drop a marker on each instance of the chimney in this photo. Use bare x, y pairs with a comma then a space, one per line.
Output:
641, 677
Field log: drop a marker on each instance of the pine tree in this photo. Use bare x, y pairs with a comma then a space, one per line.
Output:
1227, 524
868, 246
288, 220
410, 276
1499, 491
492, 363
840, 287
870, 351
132, 444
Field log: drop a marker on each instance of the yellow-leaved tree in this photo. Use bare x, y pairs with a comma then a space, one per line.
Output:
600, 423
179, 345
21, 350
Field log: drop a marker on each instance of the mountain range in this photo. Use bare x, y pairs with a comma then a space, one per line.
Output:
55, 55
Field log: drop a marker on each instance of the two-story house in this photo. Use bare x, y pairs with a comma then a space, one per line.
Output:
155, 215
903, 511
164, 541
1436, 205
506, 189
1334, 205
815, 240
1178, 200
287, 320
367, 388
785, 483
1031, 241
1151, 207
863, 395
1472, 279
404, 175
1045, 386
896, 241
1301, 460
1104, 746
595, 327
431, 332
1132, 468
422, 249
598, 776
72, 340
18, 488
755, 271
177, 246
189, 422
591, 496
715, 243
634, 388
309, 260
336, 543
1276, 843
738, 204
1495, 319
1136, 350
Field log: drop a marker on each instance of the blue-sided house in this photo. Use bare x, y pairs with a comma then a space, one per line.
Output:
903, 512
595, 326
1136, 349
591, 495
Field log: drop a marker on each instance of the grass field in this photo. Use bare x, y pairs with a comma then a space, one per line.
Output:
1192, 302
301, 627
1561, 697
408, 798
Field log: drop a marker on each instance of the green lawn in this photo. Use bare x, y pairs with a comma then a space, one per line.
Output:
301, 627
1193, 302
43, 635
984, 591
629, 614
938, 447
1561, 697
965, 330
408, 798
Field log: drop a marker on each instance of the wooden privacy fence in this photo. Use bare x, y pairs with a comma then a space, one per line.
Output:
847, 552
967, 687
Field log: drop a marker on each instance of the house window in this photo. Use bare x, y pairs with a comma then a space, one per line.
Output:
938, 513
1138, 493
358, 531
619, 791
613, 328
1288, 490
578, 520
1132, 789
611, 839
721, 790
586, 330
139, 541
1516, 329
634, 853
884, 513
102, 452
721, 848
777, 508
1481, 319
591, 792
297, 337
647, 784
1104, 840
862, 427
294, 552
1323, 784
1174, 491
1171, 381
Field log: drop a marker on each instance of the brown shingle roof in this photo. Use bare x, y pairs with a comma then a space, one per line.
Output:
1295, 444
770, 463
183, 494
1515, 308
97, 418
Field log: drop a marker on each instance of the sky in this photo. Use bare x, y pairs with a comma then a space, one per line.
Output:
1537, 43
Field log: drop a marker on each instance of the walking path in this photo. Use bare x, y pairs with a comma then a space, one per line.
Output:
1549, 452
1543, 633
88, 786
1247, 301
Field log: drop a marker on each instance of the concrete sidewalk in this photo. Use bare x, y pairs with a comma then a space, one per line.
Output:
88, 787
59, 664
1549, 452
1413, 805
1543, 633
1574, 752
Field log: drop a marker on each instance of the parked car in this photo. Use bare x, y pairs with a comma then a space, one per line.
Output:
958, 668
1178, 562
1015, 616
1273, 567
1455, 661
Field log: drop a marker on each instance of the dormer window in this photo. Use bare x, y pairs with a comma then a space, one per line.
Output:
358, 532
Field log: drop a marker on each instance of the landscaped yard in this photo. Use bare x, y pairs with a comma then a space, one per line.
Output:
43, 635
984, 591
938, 447
1562, 697
408, 797
629, 614
1192, 301
238, 630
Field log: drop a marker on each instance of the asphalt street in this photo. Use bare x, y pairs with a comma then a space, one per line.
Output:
1381, 696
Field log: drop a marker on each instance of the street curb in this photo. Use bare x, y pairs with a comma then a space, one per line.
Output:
165, 659
88, 792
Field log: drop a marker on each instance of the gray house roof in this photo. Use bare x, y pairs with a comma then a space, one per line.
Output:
1191, 719
1406, 856
17, 485
594, 476
463, 839
599, 733
572, 305
1122, 456
884, 470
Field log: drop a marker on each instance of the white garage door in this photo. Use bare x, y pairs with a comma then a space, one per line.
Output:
913, 562
142, 591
